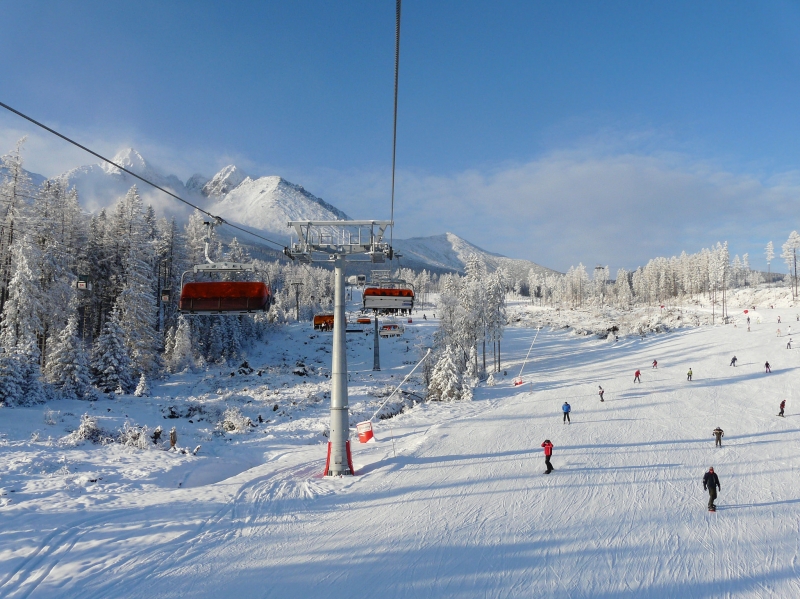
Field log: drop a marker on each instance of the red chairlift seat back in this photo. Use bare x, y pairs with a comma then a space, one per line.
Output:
216, 297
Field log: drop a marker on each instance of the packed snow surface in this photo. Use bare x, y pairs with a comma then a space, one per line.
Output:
449, 501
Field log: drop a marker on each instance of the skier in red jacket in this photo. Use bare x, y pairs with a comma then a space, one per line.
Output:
783, 407
636, 376
548, 451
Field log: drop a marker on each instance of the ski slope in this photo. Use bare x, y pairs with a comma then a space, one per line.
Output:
451, 499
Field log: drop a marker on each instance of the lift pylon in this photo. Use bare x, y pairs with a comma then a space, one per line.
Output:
335, 241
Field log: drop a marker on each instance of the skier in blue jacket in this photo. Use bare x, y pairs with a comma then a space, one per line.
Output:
566, 408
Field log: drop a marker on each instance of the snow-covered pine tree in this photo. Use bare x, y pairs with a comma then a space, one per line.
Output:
22, 324
137, 314
11, 379
142, 389
111, 364
181, 355
67, 368
769, 253
15, 189
471, 372
789, 255
446, 383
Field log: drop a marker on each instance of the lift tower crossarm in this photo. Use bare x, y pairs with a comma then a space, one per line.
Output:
339, 237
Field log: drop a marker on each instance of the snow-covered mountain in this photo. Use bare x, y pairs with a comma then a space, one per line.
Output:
224, 181
101, 185
263, 204
267, 203
449, 252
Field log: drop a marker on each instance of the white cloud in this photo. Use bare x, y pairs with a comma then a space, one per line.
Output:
572, 206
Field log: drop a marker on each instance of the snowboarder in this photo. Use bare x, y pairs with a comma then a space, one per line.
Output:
718, 434
711, 484
782, 407
766, 367
601, 393
636, 376
548, 451
655, 364
789, 344
733, 361
173, 438
566, 409
689, 375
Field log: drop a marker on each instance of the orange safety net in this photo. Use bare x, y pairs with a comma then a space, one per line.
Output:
224, 296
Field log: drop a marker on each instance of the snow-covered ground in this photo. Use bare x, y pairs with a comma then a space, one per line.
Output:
449, 501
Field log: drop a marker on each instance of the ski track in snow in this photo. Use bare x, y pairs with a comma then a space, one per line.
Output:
464, 509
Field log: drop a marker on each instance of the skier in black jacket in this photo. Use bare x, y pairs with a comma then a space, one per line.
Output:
711, 484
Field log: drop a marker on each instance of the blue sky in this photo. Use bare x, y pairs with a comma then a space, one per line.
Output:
554, 131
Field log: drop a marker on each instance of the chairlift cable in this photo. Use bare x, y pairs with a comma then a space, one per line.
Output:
217, 219
394, 134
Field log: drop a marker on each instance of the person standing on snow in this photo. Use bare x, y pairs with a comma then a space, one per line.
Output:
566, 409
766, 367
711, 484
789, 344
548, 451
718, 434
733, 361
689, 375
782, 406
601, 393
655, 364
636, 376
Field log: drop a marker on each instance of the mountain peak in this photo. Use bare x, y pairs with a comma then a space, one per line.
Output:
224, 181
129, 159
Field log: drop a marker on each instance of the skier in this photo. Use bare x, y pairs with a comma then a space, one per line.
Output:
779, 332
718, 434
655, 363
711, 484
733, 361
779, 319
566, 409
424, 317
689, 375
601, 393
789, 344
782, 406
766, 367
548, 451
636, 376
748, 321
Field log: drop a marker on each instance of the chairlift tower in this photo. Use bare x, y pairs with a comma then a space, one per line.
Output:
334, 241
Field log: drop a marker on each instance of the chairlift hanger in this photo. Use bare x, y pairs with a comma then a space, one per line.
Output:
224, 297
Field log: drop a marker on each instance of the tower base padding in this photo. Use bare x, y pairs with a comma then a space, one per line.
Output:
350, 470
